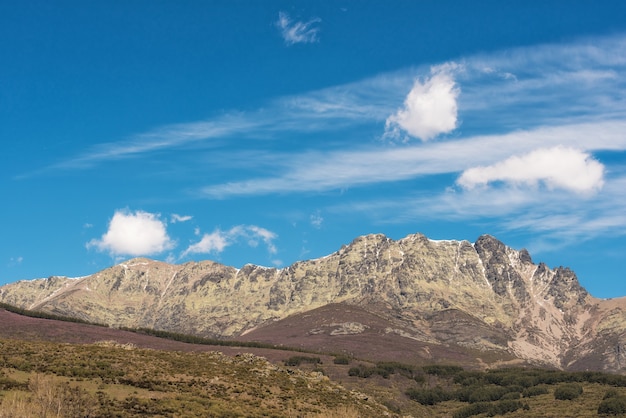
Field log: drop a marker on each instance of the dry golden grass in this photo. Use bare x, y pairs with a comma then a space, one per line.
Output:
106, 380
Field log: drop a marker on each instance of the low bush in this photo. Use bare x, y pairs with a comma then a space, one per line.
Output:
492, 409
535, 391
511, 395
430, 396
613, 406
568, 391
342, 360
611, 393
297, 360
471, 410
442, 370
365, 372
487, 394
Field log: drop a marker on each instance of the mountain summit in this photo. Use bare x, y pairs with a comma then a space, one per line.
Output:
432, 298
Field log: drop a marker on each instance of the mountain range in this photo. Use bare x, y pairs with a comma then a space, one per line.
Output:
412, 299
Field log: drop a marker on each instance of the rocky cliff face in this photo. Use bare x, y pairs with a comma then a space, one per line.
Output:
483, 296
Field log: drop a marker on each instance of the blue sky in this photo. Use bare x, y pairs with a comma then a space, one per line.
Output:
276, 131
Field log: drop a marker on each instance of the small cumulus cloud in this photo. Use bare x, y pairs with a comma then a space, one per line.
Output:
429, 109
218, 240
180, 218
214, 242
557, 168
294, 32
134, 233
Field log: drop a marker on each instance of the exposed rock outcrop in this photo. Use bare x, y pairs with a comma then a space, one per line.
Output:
483, 296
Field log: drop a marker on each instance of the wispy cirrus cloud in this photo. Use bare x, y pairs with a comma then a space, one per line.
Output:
551, 218
320, 171
297, 32
541, 94
175, 218
334, 108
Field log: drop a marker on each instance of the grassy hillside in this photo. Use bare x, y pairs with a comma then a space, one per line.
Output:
106, 372
112, 380
108, 379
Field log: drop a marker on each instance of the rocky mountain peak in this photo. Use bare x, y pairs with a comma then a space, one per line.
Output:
425, 288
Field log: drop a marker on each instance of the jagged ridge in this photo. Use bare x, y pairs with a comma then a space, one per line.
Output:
504, 301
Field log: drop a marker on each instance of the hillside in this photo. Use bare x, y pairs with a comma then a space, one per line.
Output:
479, 303
119, 373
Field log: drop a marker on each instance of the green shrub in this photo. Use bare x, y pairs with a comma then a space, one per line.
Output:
442, 370
431, 396
361, 371
487, 394
469, 378
535, 391
511, 395
491, 409
365, 372
471, 410
611, 393
354, 371
568, 391
297, 360
419, 378
506, 406
396, 367
342, 360
613, 406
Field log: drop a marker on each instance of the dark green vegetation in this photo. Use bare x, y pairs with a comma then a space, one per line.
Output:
525, 392
185, 338
46, 315
386, 369
298, 360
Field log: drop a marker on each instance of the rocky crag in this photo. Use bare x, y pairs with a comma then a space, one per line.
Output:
484, 297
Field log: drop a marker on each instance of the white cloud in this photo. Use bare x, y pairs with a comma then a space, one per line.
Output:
297, 32
316, 220
555, 216
267, 236
218, 240
134, 233
214, 242
180, 218
429, 109
311, 171
557, 167
530, 88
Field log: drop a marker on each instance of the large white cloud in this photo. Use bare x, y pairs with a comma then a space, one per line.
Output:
134, 233
218, 240
429, 109
556, 168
